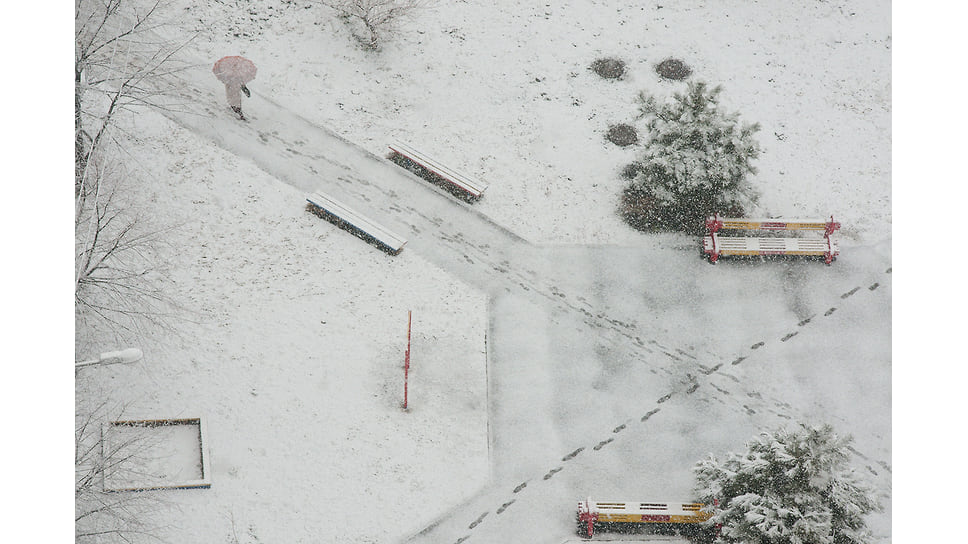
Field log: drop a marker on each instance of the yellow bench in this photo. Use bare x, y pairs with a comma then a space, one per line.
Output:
591, 512
716, 246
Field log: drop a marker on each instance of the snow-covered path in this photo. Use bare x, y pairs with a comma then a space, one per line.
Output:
585, 359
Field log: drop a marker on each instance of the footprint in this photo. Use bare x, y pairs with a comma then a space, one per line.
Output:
478, 520
851, 292
570, 456
599, 446
552, 472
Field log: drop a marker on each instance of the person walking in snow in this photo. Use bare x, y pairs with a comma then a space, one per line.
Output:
235, 72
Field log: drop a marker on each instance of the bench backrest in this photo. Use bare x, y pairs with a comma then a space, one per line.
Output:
717, 223
643, 512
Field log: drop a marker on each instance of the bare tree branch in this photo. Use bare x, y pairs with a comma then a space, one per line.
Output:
379, 17
122, 62
101, 516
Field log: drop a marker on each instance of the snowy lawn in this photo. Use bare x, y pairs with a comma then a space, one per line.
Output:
577, 334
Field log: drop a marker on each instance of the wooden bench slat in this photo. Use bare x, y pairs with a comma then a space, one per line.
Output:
465, 182
744, 245
380, 234
716, 222
774, 224
591, 512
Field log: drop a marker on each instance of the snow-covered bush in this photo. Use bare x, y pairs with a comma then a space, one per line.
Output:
379, 17
695, 163
790, 487
673, 69
609, 68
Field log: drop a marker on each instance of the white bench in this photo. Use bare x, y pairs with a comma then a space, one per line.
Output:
715, 245
591, 512
467, 186
346, 218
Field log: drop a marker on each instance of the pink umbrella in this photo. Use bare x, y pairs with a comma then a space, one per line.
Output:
234, 70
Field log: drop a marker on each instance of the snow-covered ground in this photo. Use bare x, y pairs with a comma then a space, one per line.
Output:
557, 353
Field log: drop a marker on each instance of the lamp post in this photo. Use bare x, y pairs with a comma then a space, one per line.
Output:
130, 355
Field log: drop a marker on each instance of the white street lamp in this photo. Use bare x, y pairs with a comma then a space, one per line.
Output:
130, 355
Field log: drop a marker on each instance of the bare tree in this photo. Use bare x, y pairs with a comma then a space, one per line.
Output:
120, 279
121, 57
102, 516
121, 62
379, 17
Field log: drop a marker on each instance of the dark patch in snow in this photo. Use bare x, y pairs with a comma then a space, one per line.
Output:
478, 521
673, 69
600, 445
505, 506
619, 429
609, 68
758, 345
650, 414
707, 371
665, 398
805, 321
721, 390
739, 360
875, 286
570, 456
622, 135
789, 336
830, 311
851, 292
552, 472
520, 487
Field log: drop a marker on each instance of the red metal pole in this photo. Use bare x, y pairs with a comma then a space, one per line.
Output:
406, 363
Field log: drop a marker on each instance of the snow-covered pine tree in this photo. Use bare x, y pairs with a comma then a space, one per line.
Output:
790, 487
696, 161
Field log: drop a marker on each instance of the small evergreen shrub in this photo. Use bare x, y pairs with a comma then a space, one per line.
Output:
629, 171
673, 69
622, 135
695, 163
609, 68
789, 486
